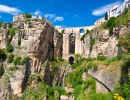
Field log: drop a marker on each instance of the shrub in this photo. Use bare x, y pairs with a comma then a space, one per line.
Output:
37, 93
108, 61
101, 57
19, 42
92, 42
25, 60
13, 68
124, 41
10, 58
10, 48
90, 59
27, 15
17, 61
12, 31
77, 90
2, 54
95, 67
89, 65
78, 58
1, 70
74, 65
110, 24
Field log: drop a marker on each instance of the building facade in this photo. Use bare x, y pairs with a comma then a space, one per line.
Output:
18, 17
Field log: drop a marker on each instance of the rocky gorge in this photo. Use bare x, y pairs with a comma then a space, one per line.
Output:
33, 67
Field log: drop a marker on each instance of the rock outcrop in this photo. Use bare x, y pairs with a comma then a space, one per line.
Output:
106, 78
38, 40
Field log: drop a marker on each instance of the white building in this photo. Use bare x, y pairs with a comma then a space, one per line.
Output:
99, 21
118, 9
114, 12
18, 17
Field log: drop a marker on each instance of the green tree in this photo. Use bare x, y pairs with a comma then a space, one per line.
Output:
17, 61
27, 15
124, 41
106, 16
10, 58
10, 48
1, 70
12, 31
19, 41
1, 23
2, 54
110, 24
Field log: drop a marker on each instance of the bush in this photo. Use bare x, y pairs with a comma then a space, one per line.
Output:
17, 61
10, 58
1, 70
37, 93
74, 65
10, 48
12, 31
92, 42
101, 58
25, 60
108, 61
89, 65
19, 42
2, 54
27, 16
13, 68
90, 59
95, 67
77, 90
110, 24
78, 58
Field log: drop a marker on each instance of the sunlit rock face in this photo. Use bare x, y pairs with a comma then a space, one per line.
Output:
37, 43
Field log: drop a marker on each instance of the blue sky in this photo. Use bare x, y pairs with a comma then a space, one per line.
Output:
65, 13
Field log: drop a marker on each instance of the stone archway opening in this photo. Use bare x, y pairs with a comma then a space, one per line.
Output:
71, 60
82, 31
72, 43
63, 31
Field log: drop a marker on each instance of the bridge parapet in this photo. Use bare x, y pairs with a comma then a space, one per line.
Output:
74, 29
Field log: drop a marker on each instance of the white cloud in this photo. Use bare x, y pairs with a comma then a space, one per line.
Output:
54, 17
37, 13
49, 16
102, 10
58, 19
58, 26
10, 10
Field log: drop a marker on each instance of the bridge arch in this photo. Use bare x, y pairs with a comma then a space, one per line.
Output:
71, 60
63, 31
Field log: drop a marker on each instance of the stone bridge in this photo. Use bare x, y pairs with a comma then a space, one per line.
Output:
72, 43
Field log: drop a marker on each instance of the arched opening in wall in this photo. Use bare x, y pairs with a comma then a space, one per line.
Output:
71, 60
82, 31
63, 31
72, 43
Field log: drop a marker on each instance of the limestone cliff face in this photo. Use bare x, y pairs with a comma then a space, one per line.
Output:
104, 44
40, 42
106, 81
58, 41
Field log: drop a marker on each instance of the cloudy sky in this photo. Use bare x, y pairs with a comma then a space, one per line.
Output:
65, 13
